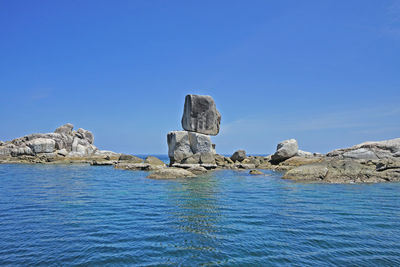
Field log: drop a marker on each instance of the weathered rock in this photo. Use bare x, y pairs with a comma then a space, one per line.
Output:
65, 129
106, 154
21, 150
137, 166
201, 115
62, 152
219, 160
239, 155
369, 150
64, 145
207, 158
304, 154
154, 161
42, 145
178, 146
87, 135
200, 143
228, 160
130, 158
102, 162
170, 173
347, 171
285, 149
193, 159
245, 166
198, 170
186, 147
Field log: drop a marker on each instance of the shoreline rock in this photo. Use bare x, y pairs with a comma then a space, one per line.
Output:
62, 146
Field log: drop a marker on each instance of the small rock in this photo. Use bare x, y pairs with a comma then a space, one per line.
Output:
130, 158
102, 163
256, 172
198, 170
154, 161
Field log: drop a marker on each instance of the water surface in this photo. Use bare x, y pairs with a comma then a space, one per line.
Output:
82, 215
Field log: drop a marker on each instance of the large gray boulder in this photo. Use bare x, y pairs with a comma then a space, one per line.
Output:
184, 146
285, 150
369, 150
239, 155
178, 146
201, 115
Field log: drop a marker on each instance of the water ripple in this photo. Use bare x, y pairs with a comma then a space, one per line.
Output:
82, 215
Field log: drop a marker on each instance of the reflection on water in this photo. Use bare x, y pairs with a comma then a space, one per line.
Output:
196, 213
91, 216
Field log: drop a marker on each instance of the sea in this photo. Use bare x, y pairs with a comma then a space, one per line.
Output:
81, 215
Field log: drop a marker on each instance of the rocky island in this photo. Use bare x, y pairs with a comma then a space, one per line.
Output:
192, 153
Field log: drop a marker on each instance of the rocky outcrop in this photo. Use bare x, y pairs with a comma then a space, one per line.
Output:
347, 171
64, 145
285, 150
189, 147
201, 115
193, 146
369, 150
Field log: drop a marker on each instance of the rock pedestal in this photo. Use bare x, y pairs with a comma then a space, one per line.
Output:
188, 146
193, 145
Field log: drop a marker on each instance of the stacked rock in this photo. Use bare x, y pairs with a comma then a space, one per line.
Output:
193, 145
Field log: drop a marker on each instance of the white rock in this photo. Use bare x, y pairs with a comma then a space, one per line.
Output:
285, 149
42, 145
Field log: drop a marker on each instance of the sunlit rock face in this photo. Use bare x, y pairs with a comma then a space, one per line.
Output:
188, 146
63, 142
201, 115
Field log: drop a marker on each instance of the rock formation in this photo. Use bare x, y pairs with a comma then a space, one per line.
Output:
201, 115
369, 150
193, 145
63, 144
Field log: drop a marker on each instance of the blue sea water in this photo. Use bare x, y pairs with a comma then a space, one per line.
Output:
63, 215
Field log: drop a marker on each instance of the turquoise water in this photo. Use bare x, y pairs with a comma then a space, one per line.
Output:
83, 215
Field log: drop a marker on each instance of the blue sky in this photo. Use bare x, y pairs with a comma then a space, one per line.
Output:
324, 72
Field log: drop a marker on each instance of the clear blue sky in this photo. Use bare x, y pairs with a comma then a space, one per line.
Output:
324, 72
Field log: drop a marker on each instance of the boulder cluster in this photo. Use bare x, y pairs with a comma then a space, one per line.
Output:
193, 144
192, 153
63, 144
